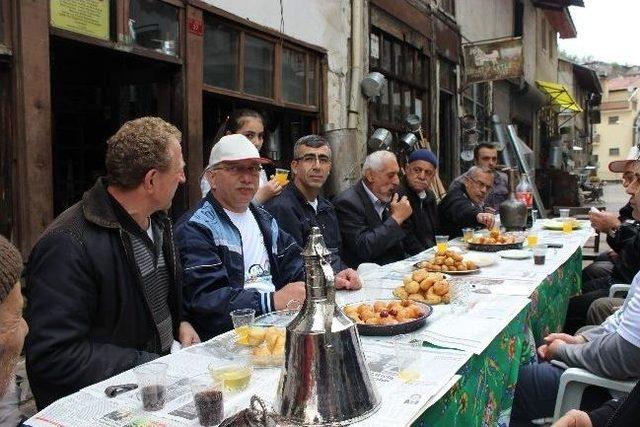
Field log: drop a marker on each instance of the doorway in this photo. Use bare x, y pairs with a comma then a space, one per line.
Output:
94, 91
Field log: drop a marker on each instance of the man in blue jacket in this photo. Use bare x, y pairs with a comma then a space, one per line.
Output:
300, 205
233, 252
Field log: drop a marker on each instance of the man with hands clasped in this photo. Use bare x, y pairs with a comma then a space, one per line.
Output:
371, 213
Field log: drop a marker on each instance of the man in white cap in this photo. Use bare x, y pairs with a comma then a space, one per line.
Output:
233, 252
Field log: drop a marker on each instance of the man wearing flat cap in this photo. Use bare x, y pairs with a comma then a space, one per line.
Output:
422, 224
13, 329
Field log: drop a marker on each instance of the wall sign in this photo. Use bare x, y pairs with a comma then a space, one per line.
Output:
493, 60
87, 17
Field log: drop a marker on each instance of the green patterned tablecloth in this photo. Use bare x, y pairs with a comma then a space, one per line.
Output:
549, 301
484, 394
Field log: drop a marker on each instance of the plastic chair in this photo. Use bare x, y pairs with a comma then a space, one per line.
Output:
572, 384
618, 287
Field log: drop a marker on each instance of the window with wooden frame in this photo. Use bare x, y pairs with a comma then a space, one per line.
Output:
243, 62
150, 28
475, 99
406, 70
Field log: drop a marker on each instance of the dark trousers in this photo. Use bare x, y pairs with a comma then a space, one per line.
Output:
536, 392
579, 307
597, 269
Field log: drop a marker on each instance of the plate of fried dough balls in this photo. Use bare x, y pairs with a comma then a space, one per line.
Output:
388, 317
449, 262
424, 286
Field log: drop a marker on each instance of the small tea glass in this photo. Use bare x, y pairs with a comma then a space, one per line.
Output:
242, 319
152, 383
406, 349
442, 243
208, 399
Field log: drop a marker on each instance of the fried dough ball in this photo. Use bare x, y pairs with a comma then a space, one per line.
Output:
416, 297
419, 275
440, 288
373, 321
444, 268
456, 256
439, 260
433, 299
400, 292
449, 261
426, 283
412, 287
367, 314
471, 265
407, 279
354, 317
446, 298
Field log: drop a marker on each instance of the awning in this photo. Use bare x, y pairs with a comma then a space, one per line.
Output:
559, 97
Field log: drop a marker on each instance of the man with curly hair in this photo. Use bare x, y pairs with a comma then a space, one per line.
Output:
103, 281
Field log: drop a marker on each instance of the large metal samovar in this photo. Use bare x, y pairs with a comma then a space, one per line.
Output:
513, 212
325, 380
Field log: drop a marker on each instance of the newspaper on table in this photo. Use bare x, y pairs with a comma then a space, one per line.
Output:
401, 402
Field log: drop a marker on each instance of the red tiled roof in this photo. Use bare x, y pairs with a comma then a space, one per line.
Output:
623, 82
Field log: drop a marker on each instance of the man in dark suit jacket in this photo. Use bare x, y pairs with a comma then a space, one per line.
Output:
462, 206
423, 222
371, 214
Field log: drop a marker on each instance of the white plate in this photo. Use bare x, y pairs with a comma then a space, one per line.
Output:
480, 259
515, 254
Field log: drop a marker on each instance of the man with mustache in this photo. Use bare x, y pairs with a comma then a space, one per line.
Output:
371, 213
463, 206
422, 224
233, 252
300, 206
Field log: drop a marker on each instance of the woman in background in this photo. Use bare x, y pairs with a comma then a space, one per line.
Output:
249, 123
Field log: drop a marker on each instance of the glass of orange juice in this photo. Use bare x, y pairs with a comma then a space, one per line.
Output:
532, 239
567, 225
282, 176
442, 244
242, 320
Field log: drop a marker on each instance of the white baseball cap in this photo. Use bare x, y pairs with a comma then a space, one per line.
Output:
232, 148
619, 165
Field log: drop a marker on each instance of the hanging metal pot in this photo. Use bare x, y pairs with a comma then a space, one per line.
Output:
372, 84
409, 140
413, 122
380, 140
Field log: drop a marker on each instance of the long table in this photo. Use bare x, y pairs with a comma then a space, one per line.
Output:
470, 359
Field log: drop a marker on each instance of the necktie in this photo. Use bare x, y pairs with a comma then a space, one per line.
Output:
385, 213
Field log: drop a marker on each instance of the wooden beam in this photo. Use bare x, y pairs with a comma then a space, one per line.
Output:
193, 138
33, 121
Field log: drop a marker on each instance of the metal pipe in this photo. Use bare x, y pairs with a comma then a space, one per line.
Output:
357, 10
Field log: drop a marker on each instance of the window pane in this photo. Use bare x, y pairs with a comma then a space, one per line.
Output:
258, 66
408, 63
386, 54
384, 103
293, 76
397, 58
220, 55
406, 101
155, 25
374, 50
396, 100
312, 81
418, 106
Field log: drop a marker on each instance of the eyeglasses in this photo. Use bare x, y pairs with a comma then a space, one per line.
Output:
419, 171
240, 170
481, 184
312, 158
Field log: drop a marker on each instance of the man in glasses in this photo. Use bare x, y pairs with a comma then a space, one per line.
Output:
233, 252
300, 206
423, 222
485, 155
463, 206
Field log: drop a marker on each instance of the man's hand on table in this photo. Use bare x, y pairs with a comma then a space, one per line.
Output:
291, 292
187, 335
574, 418
569, 339
348, 279
604, 221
